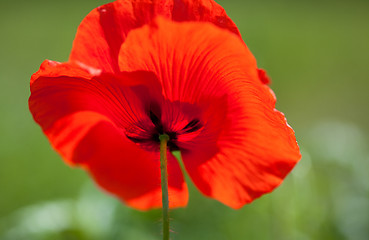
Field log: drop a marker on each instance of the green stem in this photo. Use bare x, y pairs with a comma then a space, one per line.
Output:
164, 138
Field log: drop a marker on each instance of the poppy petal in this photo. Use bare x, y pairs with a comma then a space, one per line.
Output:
246, 147
109, 25
85, 117
124, 169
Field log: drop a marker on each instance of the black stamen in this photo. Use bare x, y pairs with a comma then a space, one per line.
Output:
172, 136
155, 137
192, 126
150, 137
138, 140
173, 146
154, 119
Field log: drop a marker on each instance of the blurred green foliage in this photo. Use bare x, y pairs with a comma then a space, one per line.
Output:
317, 53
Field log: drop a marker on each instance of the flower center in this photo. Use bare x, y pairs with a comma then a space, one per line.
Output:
159, 130
147, 134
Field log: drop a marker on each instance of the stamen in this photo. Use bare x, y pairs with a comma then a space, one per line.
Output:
137, 140
192, 126
154, 119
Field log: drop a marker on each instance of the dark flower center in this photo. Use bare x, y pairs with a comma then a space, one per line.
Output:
159, 130
149, 137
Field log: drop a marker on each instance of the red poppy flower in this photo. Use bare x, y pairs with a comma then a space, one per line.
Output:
142, 68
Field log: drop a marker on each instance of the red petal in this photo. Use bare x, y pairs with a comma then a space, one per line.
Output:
246, 147
192, 60
85, 118
122, 168
102, 32
203, 11
264, 78
55, 69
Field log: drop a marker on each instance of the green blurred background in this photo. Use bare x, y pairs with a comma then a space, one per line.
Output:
317, 54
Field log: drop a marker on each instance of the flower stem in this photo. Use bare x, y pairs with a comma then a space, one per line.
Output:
164, 138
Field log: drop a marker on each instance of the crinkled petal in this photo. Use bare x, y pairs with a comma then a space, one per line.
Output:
85, 117
124, 169
245, 147
101, 33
